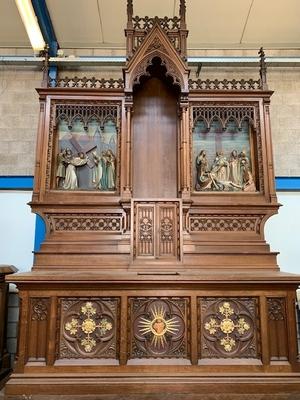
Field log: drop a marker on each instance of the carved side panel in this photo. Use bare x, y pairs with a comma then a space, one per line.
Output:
144, 230
277, 329
159, 328
38, 335
88, 328
229, 328
168, 230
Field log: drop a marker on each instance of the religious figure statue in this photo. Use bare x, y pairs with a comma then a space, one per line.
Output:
234, 168
97, 171
104, 174
111, 169
201, 167
104, 171
247, 178
61, 167
220, 167
243, 157
71, 180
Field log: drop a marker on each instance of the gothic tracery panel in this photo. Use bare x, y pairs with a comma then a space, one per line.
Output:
110, 222
224, 223
277, 328
39, 318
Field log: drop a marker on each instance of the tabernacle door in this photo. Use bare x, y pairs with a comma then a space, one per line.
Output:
156, 230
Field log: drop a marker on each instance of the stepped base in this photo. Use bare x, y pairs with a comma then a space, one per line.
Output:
259, 386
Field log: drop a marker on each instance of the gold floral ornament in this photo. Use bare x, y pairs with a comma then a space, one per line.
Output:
227, 326
88, 326
158, 326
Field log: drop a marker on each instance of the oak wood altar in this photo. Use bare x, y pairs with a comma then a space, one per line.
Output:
154, 274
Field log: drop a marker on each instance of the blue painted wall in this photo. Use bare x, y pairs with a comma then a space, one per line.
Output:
26, 183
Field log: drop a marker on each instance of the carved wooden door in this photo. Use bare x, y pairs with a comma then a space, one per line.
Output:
156, 230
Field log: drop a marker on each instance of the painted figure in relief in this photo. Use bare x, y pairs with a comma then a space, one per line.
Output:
242, 156
97, 170
201, 167
111, 169
98, 141
247, 178
220, 167
61, 168
232, 175
104, 173
71, 180
234, 168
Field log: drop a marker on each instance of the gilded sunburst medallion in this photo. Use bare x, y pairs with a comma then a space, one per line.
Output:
158, 326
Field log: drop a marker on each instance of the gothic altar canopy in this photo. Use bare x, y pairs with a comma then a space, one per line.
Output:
154, 273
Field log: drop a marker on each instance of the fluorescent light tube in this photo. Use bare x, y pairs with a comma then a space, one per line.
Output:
31, 24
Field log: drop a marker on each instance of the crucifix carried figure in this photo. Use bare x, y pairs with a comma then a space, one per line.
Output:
86, 149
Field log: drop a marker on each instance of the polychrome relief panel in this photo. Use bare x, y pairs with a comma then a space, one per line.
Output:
224, 148
158, 328
88, 328
86, 148
229, 328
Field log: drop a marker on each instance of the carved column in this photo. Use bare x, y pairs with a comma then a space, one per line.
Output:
184, 144
269, 147
128, 110
39, 143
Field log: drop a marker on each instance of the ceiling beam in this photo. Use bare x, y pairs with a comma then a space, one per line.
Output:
120, 61
46, 26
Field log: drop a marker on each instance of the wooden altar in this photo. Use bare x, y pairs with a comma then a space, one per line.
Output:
155, 274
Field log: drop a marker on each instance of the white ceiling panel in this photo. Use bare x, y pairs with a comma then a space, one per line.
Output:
76, 22
211, 23
12, 31
113, 18
216, 21
273, 21
151, 8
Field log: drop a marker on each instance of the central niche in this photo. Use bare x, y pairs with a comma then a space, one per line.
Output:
155, 135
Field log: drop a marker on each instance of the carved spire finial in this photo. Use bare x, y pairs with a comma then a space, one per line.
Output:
45, 68
263, 69
182, 11
129, 10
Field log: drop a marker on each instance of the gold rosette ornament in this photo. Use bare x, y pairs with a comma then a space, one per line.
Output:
227, 326
88, 326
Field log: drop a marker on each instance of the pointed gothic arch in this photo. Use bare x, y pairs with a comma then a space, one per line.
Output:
156, 44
